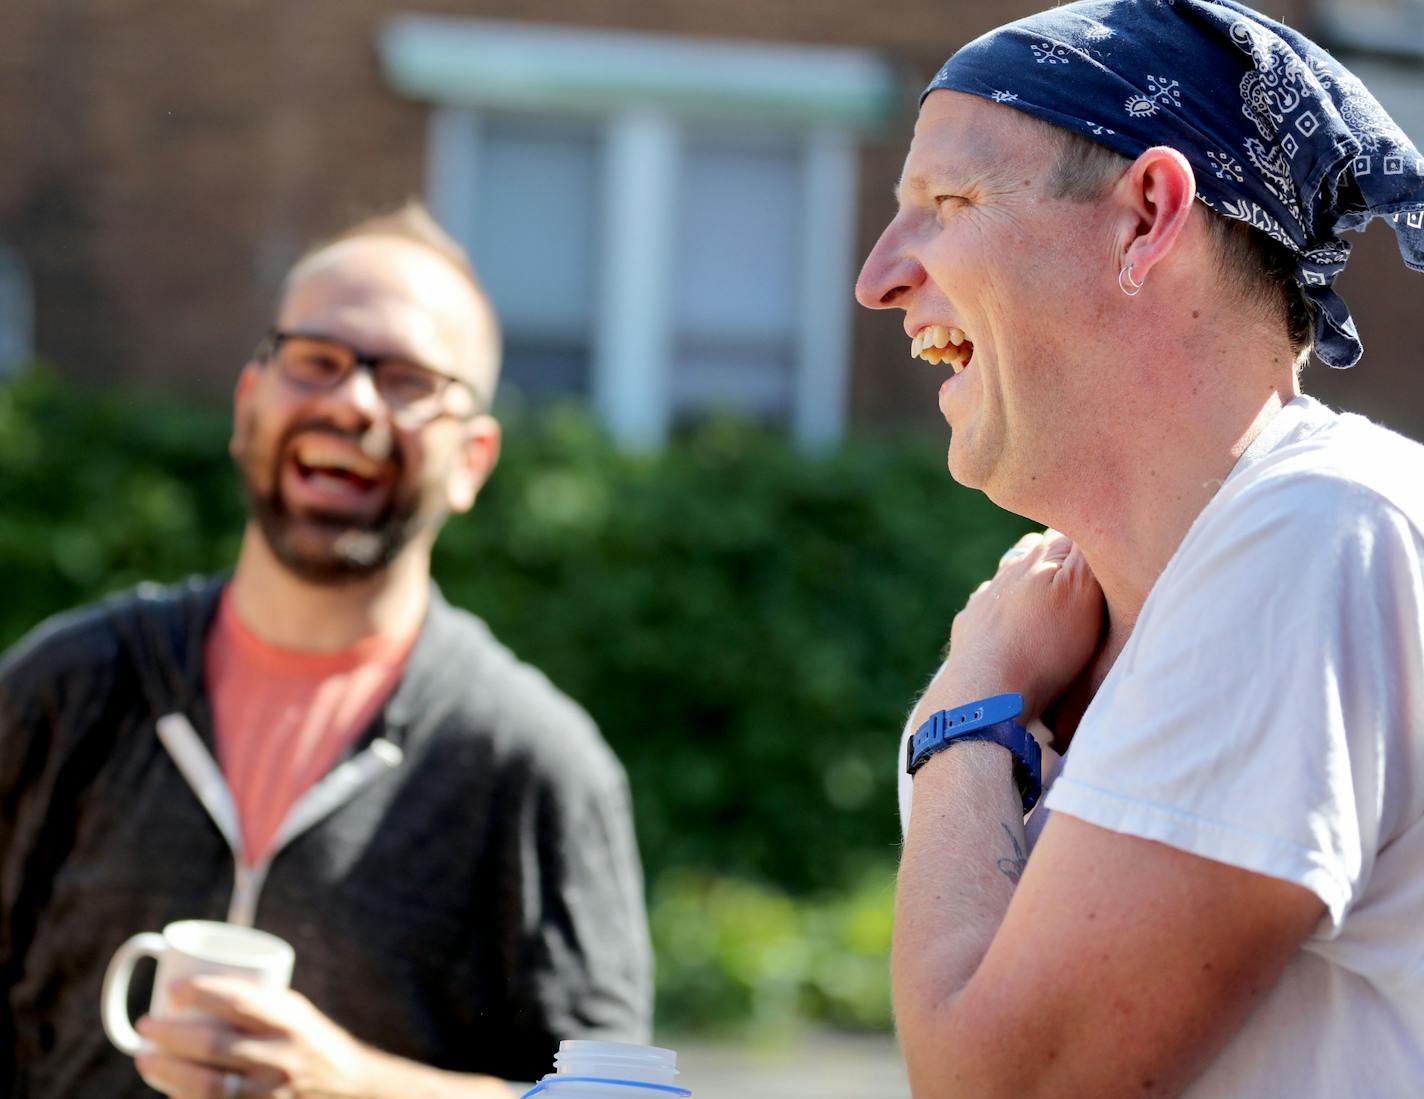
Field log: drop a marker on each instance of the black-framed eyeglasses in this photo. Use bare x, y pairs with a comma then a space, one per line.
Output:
417, 393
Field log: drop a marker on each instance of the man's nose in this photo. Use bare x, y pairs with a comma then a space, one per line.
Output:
355, 397
888, 275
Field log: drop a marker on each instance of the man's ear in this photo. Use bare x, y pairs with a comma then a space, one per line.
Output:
1158, 193
479, 452
241, 401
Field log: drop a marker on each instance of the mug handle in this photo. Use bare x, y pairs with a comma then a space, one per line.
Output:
114, 998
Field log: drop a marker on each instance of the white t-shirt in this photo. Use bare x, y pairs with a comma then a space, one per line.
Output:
1268, 713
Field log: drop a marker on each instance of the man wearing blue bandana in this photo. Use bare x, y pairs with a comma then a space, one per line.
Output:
1118, 232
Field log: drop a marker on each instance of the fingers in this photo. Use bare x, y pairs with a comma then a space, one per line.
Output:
1047, 557
180, 1079
184, 1080
1076, 572
1021, 556
192, 1039
1056, 547
241, 1004
1035, 548
1036, 544
194, 1057
218, 1022
1020, 549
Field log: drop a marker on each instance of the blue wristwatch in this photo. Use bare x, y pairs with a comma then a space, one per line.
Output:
990, 719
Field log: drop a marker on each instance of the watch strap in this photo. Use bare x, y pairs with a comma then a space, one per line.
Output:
990, 719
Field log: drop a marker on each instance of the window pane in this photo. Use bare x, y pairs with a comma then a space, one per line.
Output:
536, 239
736, 298
16, 313
738, 236
546, 368
751, 377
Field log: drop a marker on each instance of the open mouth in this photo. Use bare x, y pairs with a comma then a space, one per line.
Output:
937, 345
328, 466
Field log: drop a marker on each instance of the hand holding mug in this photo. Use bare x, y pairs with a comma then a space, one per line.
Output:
236, 1040
185, 950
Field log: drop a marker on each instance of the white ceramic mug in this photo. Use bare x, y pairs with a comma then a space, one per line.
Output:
189, 948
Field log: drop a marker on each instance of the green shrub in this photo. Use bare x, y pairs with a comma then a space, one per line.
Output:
739, 954
747, 623
100, 491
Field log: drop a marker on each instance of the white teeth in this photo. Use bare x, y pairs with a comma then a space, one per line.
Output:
917, 345
939, 336
956, 336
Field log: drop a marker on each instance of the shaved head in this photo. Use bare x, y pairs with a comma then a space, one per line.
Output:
356, 283
406, 250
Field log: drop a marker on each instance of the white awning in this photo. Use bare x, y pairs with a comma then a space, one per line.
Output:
491, 64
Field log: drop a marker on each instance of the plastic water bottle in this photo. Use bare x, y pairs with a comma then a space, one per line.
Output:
610, 1070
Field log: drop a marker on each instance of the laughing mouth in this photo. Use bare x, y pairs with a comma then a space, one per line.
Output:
937, 345
322, 460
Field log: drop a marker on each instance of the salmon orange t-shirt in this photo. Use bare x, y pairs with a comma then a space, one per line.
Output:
283, 717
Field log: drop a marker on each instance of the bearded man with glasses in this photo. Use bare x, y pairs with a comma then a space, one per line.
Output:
321, 747
415, 396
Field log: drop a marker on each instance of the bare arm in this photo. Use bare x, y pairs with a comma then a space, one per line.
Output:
962, 859
1117, 966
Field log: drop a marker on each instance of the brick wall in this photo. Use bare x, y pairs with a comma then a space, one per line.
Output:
166, 160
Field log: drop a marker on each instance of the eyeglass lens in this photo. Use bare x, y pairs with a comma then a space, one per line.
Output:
324, 364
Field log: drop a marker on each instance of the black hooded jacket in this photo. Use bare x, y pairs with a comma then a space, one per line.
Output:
472, 898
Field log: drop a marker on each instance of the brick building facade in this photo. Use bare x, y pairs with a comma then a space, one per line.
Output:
165, 160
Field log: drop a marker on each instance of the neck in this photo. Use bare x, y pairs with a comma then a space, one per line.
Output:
1129, 543
1173, 424
289, 612
1156, 494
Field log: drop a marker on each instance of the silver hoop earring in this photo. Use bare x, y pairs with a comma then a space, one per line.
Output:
1129, 285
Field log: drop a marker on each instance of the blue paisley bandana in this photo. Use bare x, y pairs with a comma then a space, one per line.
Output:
1280, 134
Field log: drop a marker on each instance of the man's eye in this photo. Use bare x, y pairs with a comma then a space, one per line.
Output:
405, 381
950, 201
319, 364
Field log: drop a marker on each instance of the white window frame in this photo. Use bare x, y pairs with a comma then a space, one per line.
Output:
642, 88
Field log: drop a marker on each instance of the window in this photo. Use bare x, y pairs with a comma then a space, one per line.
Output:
534, 238
16, 313
735, 312
667, 226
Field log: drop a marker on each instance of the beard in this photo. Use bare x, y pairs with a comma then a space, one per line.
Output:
331, 547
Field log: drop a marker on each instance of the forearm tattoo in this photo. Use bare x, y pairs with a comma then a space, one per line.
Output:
1012, 868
